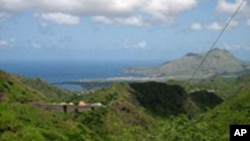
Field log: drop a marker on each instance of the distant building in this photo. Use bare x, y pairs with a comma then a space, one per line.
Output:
97, 104
82, 103
63, 103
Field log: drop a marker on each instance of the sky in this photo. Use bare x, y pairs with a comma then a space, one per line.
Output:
120, 29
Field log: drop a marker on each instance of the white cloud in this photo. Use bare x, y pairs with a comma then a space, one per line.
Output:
223, 6
106, 11
196, 26
3, 16
248, 22
165, 10
14, 5
233, 23
91, 7
215, 26
3, 43
141, 44
227, 7
35, 45
134, 21
218, 26
102, 19
59, 18
12, 40
235, 47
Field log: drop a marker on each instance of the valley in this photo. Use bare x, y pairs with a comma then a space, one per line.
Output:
154, 110
124, 70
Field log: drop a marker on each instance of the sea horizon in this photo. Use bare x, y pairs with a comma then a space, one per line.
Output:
61, 71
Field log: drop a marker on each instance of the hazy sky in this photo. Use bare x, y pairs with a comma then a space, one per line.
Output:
119, 29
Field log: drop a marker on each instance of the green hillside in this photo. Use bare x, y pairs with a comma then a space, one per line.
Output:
157, 111
12, 90
214, 125
140, 107
131, 111
54, 93
21, 120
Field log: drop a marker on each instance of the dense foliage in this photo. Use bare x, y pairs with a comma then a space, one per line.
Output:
131, 111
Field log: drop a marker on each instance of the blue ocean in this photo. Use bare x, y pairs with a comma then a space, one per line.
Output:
61, 71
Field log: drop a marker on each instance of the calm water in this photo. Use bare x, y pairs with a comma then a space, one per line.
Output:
59, 71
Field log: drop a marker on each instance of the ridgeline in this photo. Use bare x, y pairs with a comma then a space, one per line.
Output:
131, 111
219, 61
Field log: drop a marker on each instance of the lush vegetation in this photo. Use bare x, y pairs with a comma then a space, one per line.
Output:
54, 93
131, 111
21, 120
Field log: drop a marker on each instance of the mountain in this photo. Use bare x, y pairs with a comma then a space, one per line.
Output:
140, 107
130, 111
159, 111
219, 61
158, 98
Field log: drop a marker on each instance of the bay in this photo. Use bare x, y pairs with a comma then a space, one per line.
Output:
61, 71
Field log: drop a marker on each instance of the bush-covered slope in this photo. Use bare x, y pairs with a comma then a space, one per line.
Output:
214, 125
21, 120
53, 93
131, 111
141, 107
156, 98
13, 90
